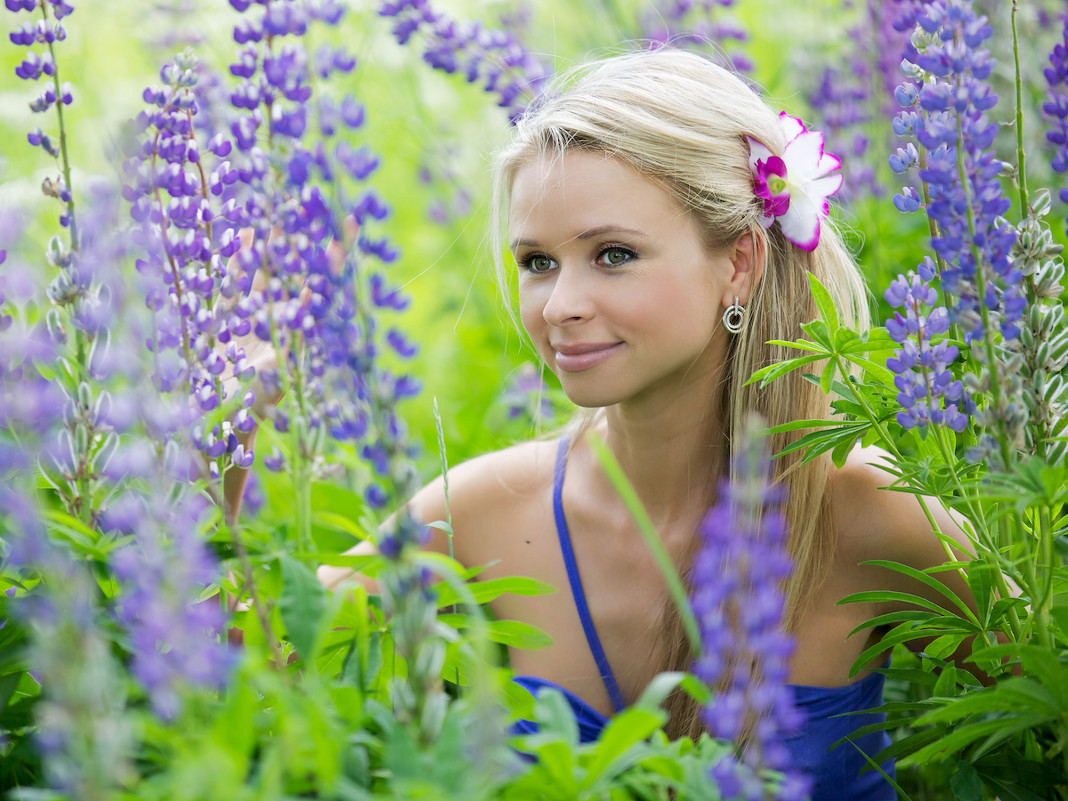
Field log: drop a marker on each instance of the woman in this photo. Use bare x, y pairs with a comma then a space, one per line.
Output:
651, 276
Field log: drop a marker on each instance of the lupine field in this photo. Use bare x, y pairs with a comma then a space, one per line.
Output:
190, 186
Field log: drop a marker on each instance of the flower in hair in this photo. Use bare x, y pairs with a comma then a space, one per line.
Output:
795, 186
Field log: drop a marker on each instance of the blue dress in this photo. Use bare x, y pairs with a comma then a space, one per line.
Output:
836, 774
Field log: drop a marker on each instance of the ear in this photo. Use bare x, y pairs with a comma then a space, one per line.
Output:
747, 255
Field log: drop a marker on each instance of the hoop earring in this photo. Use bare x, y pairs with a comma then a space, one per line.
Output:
734, 317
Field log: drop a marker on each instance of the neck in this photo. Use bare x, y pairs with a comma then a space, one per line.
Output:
670, 448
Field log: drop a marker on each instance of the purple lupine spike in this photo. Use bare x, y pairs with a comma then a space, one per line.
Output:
174, 637
738, 599
927, 391
493, 58
1056, 106
946, 116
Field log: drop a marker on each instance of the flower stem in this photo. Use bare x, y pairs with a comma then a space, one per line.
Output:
1021, 176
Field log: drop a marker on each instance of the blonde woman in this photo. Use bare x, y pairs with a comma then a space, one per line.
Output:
662, 220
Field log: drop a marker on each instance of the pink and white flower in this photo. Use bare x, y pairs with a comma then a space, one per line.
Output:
796, 185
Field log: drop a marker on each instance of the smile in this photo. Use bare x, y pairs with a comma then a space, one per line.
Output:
584, 355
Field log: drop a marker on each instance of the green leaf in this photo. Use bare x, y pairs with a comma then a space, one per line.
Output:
766, 375
513, 633
301, 605
965, 783
828, 311
628, 728
484, 591
923, 578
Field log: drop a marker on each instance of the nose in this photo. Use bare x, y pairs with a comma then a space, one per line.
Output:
570, 299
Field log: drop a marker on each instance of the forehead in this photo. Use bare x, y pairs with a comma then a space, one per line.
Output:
568, 193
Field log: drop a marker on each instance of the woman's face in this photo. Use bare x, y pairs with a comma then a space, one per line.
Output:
616, 289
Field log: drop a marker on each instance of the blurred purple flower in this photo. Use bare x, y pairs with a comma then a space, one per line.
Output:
699, 24
495, 59
739, 604
174, 634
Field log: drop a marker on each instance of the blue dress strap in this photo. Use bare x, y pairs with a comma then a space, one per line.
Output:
576, 582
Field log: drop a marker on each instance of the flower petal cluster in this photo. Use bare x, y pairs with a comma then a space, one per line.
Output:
681, 23
978, 270
1056, 106
927, 391
738, 600
795, 186
174, 637
319, 307
495, 59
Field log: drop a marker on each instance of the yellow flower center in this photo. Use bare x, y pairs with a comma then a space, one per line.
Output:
776, 184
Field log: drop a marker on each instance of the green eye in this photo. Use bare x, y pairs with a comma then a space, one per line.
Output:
616, 256
537, 263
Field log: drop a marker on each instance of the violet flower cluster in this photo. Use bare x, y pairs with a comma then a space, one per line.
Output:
697, 23
1056, 106
322, 304
494, 59
174, 634
927, 391
945, 114
183, 243
738, 599
962, 171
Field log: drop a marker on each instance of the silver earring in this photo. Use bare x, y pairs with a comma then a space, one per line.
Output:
734, 317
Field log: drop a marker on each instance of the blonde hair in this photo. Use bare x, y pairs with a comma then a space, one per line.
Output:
682, 121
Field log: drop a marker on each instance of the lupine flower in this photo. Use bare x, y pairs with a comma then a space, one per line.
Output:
173, 634
739, 603
945, 114
927, 391
697, 24
492, 58
951, 57
1056, 106
526, 395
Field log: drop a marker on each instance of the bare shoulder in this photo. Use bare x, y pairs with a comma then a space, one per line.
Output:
487, 494
876, 520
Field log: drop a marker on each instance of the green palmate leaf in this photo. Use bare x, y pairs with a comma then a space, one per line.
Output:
891, 618
485, 591
301, 606
835, 435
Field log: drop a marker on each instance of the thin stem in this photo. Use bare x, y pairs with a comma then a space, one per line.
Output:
258, 607
64, 159
1021, 175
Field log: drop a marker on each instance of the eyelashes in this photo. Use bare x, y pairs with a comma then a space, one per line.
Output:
607, 256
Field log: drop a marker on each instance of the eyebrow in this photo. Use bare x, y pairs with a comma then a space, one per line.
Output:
589, 233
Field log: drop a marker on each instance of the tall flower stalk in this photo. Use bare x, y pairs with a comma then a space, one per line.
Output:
738, 599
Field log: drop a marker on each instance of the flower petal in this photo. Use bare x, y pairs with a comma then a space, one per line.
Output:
801, 223
791, 126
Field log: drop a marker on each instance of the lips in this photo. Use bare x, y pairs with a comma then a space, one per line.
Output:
578, 356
